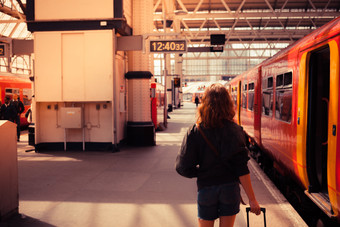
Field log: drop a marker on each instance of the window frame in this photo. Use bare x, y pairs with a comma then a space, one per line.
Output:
251, 90
283, 88
268, 87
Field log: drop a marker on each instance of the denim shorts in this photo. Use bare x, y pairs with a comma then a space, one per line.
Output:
218, 200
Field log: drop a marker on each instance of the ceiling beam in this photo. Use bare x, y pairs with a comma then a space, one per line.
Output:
12, 12
265, 14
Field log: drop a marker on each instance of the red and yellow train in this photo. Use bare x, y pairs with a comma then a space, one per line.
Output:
157, 104
289, 107
14, 86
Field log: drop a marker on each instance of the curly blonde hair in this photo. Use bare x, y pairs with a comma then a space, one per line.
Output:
216, 107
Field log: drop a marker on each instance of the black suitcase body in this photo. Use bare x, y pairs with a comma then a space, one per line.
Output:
264, 216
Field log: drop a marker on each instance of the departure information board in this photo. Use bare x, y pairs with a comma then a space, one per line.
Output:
178, 46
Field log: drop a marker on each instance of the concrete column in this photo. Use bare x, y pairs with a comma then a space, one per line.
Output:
168, 10
142, 23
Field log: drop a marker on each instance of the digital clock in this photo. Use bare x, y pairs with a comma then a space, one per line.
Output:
2, 50
168, 46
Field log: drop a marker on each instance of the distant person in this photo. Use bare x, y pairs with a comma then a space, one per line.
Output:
197, 100
214, 151
8, 110
19, 110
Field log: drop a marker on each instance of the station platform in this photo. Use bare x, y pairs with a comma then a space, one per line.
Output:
136, 187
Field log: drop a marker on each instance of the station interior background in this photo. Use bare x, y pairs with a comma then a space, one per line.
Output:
254, 29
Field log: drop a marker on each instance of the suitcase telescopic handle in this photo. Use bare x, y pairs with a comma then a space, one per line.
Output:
262, 209
264, 215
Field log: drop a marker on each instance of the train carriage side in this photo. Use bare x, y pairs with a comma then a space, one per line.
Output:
300, 112
249, 108
298, 94
12, 85
245, 115
278, 128
318, 114
236, 93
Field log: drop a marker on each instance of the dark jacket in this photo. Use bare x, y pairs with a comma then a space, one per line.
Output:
196, 159
8, 112
19, 106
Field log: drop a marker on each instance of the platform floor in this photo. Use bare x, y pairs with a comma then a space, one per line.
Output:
136, 187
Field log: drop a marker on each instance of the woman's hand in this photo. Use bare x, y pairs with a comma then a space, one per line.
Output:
255, 207
246, 184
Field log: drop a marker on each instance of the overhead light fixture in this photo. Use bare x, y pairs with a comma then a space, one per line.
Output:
180, 12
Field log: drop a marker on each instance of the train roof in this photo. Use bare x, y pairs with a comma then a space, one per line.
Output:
11, 77
321, 34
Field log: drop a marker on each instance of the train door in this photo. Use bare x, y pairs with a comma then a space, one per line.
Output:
317, 120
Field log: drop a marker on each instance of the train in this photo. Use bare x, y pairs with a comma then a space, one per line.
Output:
15, 85
157, 105
289, 107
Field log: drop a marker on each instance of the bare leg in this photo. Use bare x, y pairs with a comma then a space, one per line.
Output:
227, 221
205, 223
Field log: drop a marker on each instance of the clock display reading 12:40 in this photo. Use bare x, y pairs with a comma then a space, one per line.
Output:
168, 46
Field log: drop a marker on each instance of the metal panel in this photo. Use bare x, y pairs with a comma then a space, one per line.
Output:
72, 10
73, 66
130, 42
71, 117
99, 65
22, 47
47, 52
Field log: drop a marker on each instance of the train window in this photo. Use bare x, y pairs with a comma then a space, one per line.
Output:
27, 96
283, 98
250, 100
279, 80
235, 96
270, 82
267, 103
267, 97
244, 100
11, 92
244, 97
251, 87
287, 79
283, 109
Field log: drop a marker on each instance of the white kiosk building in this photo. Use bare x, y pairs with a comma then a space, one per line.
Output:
79, 75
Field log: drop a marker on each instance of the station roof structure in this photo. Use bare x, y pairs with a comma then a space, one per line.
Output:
239, 20
252, 25
247, 20
13, 19
254, 30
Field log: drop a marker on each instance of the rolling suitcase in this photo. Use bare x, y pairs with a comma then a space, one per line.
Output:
264, 216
